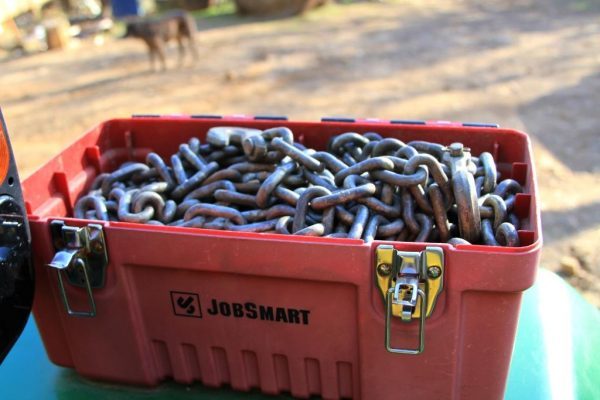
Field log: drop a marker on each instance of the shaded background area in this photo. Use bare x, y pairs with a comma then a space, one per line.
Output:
531, 65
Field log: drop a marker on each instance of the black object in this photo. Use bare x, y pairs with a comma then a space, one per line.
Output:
16, 273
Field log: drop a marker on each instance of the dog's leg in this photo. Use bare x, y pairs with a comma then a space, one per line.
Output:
189, 31
150, 46
193, 49
151, 55
180, 49
160, 51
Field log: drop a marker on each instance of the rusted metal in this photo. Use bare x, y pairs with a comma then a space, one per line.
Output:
457, 158
194, 144
282, 132
365, 187
487, 232
213, 210
343, 196
387, 193
91, 203
158, 187
208, 190
98, 180
276, 211
435, 149
421, 198
220, 155
247, 187
508, 187
367, 151
408, 212
298, 155
498, 206
227, 174
512, 218
379, 207
124, 212
246, 166
507, 235
143, 199
490, 174
425, 225
286, 195
406, 152
283, 225
312, 230
218, 223
469, 219
302, 208
122, 174
392, 178
230, 197
157, 162
439, 212
194, 159
371, 164
331, 162
434, 168
338, 143
319, 180
344, 216
391, 228
387, 146
178, 170
338, 235
261, 226
194, 181
456, 241
224, 135
271, 183
359, 222
372, 226
184, 206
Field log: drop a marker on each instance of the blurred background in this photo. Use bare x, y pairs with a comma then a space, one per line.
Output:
532, 65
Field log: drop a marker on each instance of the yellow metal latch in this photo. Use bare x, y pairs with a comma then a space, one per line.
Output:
410, 283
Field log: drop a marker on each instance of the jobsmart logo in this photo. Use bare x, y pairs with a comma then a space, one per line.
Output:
261, 312
186, 304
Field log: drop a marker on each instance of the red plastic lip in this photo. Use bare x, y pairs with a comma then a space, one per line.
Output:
444, 123
439, 125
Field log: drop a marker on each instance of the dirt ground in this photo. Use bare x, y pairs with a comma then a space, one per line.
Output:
529, 65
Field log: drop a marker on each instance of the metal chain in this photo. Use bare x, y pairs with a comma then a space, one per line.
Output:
364, 187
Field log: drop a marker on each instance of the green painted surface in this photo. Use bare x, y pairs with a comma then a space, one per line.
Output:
557, 356
557, 351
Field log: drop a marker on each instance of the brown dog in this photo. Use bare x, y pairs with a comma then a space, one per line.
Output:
156, 32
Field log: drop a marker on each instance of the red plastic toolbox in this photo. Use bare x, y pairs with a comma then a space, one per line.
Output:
279, 313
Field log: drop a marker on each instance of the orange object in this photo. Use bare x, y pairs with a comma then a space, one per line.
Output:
4, 155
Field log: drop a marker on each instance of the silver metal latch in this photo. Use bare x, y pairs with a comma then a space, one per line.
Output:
410, 283
81, 254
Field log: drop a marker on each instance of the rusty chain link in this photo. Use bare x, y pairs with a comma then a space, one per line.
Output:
364, 187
